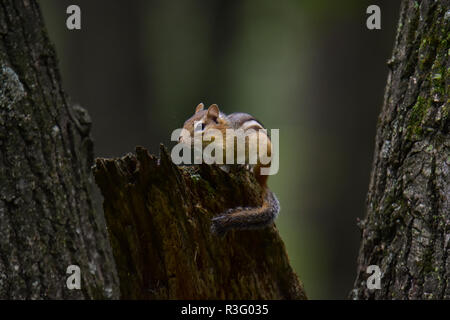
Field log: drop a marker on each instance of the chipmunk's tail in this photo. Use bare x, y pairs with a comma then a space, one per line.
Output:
244, 218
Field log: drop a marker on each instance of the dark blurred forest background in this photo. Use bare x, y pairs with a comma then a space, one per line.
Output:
310, 68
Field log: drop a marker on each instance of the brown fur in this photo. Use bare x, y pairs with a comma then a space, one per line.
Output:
238, 218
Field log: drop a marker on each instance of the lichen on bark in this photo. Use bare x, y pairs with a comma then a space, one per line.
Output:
47, 218
406, 231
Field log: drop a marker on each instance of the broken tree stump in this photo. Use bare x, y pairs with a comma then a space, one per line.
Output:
159, 217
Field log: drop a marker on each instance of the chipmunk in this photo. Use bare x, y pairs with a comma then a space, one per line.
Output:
240, 217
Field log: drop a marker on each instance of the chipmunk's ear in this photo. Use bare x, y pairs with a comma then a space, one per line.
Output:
213, 112
199, 107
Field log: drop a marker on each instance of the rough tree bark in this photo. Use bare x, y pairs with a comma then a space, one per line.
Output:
407, 228
159, 218
47, 218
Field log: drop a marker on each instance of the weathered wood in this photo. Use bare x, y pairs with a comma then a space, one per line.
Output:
159, 218
407, 228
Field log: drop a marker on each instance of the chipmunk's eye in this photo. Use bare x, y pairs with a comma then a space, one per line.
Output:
199, 127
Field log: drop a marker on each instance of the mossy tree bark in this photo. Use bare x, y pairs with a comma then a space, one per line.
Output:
407, 228
159, 218
47, 218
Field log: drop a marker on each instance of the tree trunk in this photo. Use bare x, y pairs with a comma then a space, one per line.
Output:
47, 218
407, 228
159, 218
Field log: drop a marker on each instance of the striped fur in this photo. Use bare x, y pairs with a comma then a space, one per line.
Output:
247, 218
238, 218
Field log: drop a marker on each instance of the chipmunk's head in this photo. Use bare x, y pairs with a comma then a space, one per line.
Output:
202, 121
